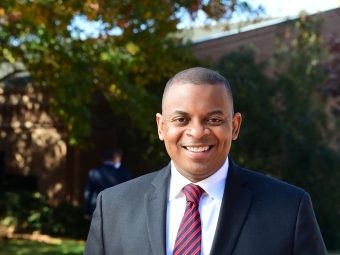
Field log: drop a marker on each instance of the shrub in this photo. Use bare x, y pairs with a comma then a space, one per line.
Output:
29, 211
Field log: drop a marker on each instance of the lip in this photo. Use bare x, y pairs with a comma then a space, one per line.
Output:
198, 154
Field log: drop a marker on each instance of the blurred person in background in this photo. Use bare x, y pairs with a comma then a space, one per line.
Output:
110, 174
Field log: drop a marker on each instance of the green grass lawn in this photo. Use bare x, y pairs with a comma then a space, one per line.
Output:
26, 247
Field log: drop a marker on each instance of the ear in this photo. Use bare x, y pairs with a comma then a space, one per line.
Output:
237, 119
160, 126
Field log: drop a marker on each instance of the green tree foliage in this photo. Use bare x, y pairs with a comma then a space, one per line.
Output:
252, 94
123, 49
29, 211
331, 86
307, 158
284, 131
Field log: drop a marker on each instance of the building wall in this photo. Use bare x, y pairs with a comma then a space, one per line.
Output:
31, 141
262, 39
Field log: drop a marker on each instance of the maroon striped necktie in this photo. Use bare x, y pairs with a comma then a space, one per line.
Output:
188, 240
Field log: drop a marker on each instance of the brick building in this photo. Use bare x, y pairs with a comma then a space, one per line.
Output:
32, 144
261, 36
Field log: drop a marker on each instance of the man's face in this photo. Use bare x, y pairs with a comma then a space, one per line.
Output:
117, 158
197, 127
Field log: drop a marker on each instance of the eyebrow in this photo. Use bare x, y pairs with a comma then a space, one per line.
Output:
180, 112
209, 113
215, 112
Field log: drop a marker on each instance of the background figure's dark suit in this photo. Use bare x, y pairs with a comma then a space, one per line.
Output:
259, 216
102, 178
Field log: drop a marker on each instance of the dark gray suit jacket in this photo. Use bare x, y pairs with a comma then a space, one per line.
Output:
259, 216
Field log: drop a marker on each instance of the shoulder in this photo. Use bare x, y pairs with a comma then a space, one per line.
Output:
270, 196
136, 186
268, 180
267, 187
123, 168
93, 171
98, 170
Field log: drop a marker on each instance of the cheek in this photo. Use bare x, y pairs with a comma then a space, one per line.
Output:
172, 138
172, 134
224, 137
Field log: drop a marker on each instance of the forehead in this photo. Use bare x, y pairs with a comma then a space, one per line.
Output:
187, 95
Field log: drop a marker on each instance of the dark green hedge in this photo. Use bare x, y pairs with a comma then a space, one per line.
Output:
29, 211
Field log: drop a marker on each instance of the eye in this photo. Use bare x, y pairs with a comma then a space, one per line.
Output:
214, 120
180, 120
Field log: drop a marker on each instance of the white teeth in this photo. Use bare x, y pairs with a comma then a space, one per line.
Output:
197, 149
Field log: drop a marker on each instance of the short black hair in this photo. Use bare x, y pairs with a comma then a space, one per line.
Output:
110, 153
199, 76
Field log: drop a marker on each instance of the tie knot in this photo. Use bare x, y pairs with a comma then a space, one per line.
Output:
193, 192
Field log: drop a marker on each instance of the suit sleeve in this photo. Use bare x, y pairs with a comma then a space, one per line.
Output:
128, 175
88, 194
308, 239
95, 243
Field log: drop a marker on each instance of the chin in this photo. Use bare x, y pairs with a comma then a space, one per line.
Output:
202, 170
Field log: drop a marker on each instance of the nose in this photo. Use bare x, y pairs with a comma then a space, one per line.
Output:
197, 130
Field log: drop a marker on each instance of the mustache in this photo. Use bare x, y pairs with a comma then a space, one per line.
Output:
200, 142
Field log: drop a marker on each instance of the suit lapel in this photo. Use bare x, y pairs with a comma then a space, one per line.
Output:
234, 209
156, 209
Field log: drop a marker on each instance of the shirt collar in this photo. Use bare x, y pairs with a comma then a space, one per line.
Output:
213, 185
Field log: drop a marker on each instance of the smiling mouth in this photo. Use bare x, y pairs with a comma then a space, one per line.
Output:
198, 149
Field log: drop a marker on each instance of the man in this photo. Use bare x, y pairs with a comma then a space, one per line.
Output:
202, 202
111, 173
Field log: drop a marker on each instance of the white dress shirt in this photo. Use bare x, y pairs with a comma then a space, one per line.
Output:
209, 206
